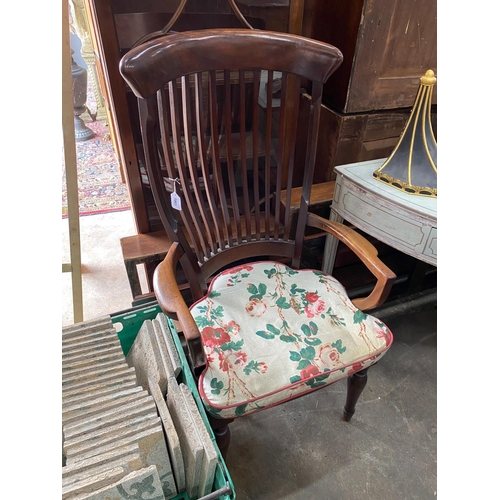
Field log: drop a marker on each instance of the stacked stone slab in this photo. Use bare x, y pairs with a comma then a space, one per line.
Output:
193, 454
127, 421
113, 436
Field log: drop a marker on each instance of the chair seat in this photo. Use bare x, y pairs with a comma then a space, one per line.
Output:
271, 333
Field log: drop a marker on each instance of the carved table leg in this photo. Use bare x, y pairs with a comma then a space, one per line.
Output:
355, 385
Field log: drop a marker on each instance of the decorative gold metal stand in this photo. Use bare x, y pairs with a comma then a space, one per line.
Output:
412, 166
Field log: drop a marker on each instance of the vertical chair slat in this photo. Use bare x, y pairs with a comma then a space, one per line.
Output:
312, 139
291, 125
206, 240
255, 150
187, 211
228, 127
281, 154
267, 174
166, 116
201, 117
243, 140
216, 162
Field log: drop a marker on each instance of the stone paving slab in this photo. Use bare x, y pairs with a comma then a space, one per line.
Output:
100, 323
161, 344
91, 484
171, 347
95, 376
144, 484
210, 457
172, 436
86, 339
97, 391
91, 353
108, 435
84, 412
192, 447
153, 450
124, 454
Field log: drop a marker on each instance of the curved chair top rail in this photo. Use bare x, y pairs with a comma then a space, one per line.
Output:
180, 54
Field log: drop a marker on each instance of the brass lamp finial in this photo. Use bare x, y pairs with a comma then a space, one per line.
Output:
412, 166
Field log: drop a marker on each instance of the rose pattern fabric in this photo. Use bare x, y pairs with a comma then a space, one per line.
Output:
271, 333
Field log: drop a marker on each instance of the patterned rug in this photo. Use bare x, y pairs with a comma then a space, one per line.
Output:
100, 187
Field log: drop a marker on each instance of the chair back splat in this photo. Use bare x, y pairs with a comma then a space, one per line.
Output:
219, 114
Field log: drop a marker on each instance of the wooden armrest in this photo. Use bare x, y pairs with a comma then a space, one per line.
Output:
368, 255
171, 301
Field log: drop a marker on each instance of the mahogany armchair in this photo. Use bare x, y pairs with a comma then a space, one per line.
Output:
220, 146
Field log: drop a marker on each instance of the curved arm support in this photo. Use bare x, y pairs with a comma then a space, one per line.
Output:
368, 255
171, 301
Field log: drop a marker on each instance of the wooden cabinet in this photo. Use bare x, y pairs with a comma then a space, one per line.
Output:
116, 25
387, 45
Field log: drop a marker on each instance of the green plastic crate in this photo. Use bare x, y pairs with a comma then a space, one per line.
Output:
128, 325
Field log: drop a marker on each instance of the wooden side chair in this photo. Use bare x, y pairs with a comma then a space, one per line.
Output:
221, 142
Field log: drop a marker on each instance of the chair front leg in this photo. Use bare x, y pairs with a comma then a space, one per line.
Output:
355, 385
221, 432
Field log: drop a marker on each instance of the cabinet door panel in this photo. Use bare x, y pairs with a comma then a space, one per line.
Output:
397, 44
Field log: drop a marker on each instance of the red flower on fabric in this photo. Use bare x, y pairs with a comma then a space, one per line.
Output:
262, 367
315, 308
241, 357
214, 337
256, 307
312, 297
223, 364
329, 355
232, 327
309, 371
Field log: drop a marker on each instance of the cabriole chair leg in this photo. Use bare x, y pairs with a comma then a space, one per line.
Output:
355, 385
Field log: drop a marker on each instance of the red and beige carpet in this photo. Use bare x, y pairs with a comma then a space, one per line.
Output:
100, 187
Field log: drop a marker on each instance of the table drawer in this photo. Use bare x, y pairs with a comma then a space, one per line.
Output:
387, 222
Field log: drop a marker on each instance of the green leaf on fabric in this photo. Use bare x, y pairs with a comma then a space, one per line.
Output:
232, 346
202, 321
281, 302
252, 289
240, 410
306, 330
294, 379
213, 294
265, 335
314, 384
338, 345
314, 327
295, 356
218, 312
270, 272
287, 338
216, 385
202, 309
262, 289
252, 366
303, 363
312, 341
359, 316
272, 329
308, 353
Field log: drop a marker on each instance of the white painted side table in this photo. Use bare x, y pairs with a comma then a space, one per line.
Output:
403, 221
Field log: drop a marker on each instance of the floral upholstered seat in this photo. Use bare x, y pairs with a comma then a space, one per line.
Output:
271, 333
